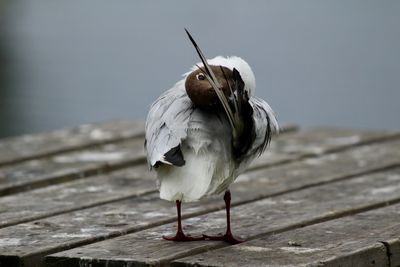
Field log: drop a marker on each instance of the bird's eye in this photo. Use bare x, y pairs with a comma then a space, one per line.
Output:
200, 77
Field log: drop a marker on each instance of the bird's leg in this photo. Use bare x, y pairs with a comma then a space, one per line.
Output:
180, 236
228, 237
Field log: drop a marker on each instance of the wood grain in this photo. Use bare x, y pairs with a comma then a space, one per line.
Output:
75, 195
103, 158
33, 146
75, 188
252, 220
69, 166
132, 215
356, 240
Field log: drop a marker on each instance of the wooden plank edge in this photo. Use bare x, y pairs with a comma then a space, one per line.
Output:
69, 149
392, 251
355, 174
368, 250
293, 226
382, 139
210, 246
54, 213
74, 147
86, 172
169, 261
286, 128
103, 168
200, 250
332, 179
106, 167
375, 254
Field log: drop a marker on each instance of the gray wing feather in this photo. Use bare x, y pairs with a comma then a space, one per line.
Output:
166, 123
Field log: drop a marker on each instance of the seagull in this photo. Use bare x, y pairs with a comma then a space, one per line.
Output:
205, 131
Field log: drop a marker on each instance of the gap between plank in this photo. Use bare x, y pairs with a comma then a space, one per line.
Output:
388, 252
284, 129
104, 168
109, 168
54, 213
70, 149
334, 216
101, 168
221, 206
328, 151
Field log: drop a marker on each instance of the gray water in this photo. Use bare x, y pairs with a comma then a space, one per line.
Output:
64, 63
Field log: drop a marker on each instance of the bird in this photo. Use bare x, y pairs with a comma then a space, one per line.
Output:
205, 131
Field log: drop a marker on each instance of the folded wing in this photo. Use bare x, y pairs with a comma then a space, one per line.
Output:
166, 127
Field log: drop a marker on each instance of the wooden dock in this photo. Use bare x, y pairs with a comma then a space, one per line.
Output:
84, 197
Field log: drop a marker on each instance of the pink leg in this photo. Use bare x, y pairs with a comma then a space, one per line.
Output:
180, 236
228, 237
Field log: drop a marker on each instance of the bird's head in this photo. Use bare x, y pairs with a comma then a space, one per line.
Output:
201, 91
207, 76
228, 82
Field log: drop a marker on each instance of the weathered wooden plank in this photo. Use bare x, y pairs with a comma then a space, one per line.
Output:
393, 249
17, 149
33, 146
31, 174
318, 141
75, 195
252, 220
35, 239
312, 171
356, 240
79, 164
69, 166
31, 241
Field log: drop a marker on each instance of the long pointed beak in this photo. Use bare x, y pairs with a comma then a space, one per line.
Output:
234, 120
204, 60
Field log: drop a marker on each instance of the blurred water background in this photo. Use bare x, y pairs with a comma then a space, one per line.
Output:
65, 63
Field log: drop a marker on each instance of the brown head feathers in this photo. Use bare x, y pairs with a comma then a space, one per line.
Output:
200, 90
